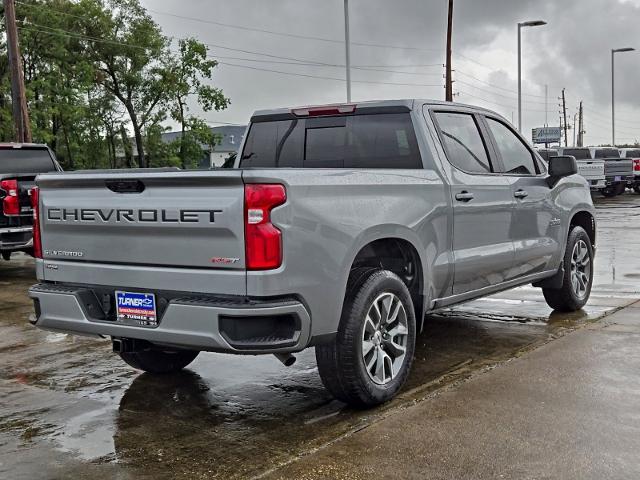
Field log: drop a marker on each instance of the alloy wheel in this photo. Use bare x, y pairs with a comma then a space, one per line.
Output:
384, 338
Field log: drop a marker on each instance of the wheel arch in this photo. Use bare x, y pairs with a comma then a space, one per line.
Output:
587, 221
400, 256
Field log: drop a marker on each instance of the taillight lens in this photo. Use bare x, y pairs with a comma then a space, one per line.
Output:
636, 164
263, 241
37, 239
11, 202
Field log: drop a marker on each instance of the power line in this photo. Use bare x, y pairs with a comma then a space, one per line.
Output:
253, 29
290, 35
512, 107
70, 34
459, 72
462, 82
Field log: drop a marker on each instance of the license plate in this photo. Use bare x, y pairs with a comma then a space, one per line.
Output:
618, 179
137, 307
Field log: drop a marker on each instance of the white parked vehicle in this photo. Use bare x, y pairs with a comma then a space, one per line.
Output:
592, 170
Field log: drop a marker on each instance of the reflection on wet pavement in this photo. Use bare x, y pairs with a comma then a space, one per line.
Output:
70, 408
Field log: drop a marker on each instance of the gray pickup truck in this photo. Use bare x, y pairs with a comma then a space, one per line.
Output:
19, 165
618, 170
340, 228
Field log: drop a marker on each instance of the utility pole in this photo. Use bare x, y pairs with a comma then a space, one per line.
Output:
581, 131
18, 96
564, 115
347, 42
449, 79
546, 105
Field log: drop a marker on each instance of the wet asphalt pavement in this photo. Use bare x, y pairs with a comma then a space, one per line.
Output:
69, 408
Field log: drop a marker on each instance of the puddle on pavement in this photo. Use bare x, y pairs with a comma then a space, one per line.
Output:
71, 409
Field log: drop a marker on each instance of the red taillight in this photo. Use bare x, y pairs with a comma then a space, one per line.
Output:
263, 241
636, 164
37, 239
11, 201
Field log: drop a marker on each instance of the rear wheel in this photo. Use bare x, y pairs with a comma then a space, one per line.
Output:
160, 361
636, 188
578, 274
370, 358
6, 256
609, 192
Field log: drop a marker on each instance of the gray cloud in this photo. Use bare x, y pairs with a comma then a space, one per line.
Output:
573, 51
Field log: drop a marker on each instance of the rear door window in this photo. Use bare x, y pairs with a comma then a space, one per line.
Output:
578, 153
355, 141
516, 157
462, 140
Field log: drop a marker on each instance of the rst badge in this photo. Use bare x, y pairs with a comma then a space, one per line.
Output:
138, 307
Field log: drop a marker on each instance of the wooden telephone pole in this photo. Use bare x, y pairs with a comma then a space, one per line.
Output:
18, 96
449, 79
581, 131
564, 114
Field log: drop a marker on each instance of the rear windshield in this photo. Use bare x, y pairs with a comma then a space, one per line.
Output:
632, 153
607, 153
547, 154
25, 160
356, 141
578, 153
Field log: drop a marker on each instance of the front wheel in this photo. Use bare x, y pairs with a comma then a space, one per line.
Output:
370, 358
160, 361
578, 274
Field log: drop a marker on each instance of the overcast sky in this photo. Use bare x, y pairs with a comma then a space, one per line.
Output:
406, 39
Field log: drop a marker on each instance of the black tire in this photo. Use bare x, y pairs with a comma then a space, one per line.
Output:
608, 192
341, 363
160, 361
566, 299
620, 188
636, 188
6, 256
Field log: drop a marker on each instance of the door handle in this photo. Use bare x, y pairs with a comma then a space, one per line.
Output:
464, 196
521, 194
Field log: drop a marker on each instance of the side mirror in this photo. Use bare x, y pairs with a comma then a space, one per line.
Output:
560, 167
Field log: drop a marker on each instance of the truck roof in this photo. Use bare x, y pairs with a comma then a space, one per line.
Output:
23, 145
369, 104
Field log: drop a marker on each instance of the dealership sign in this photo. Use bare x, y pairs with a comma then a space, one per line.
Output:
547, 135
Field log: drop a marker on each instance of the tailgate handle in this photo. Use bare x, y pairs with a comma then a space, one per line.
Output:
125, 186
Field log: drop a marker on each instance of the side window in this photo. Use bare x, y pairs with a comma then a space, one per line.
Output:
463, 142
516, 157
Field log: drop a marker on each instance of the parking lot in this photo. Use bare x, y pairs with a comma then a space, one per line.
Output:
69, 408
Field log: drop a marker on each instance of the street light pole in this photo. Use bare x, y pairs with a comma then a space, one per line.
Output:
533, 23
347, 42
613, 90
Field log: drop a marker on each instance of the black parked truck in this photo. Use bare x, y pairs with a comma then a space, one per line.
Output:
20, 163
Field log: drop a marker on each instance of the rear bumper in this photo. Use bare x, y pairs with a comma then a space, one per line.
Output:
16, 238
206, 323
597, 184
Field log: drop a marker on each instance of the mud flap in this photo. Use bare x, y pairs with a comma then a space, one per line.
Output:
552, 282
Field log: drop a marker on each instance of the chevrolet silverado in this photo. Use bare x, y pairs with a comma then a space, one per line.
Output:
339, 228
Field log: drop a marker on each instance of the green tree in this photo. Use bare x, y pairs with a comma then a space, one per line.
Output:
188, 73
129, 58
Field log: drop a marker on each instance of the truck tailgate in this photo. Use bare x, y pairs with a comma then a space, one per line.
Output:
618, 167
162, 218
591, 169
